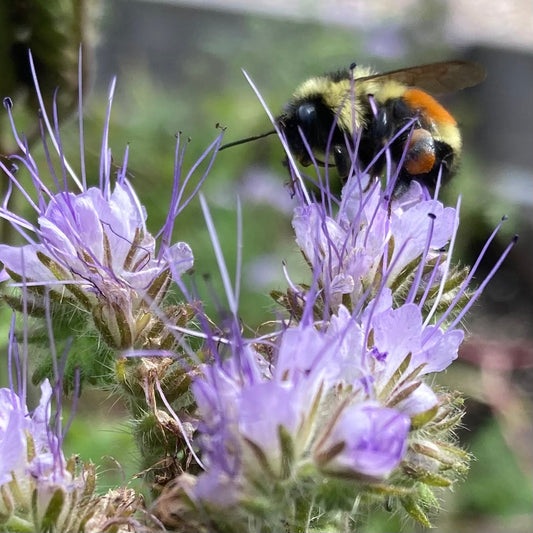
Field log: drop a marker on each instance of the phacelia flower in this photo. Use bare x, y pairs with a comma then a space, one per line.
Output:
99, 250
326, 398
90, 263
337, 401
372, 241
90, 246
294, 430
367, 439
40, 488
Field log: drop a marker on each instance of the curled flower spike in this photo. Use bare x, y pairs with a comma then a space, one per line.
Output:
337, 400
107, 277
90, 245
373, 242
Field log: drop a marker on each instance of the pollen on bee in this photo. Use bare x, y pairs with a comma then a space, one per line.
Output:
422, 101
420, 156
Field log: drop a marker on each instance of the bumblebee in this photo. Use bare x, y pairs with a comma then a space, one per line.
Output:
329, 116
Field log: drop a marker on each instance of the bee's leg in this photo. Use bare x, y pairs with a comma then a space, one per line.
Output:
291, 184
342, 159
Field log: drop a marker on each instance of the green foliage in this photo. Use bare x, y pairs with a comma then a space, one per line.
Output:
103, 435
496, 485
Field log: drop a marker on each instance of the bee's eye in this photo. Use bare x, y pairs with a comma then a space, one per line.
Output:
306, 115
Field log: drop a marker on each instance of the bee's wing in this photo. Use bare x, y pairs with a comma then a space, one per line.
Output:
436, 78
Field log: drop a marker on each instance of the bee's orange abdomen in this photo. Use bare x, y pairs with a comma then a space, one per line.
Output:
428, 106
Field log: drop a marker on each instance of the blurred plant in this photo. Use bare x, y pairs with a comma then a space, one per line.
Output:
54, 30
301, 428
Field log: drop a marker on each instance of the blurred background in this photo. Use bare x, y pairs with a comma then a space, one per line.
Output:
178, 66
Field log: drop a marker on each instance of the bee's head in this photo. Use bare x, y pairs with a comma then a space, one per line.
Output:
310, 119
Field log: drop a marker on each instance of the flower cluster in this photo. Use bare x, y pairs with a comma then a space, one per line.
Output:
337, 401
41, 489
94, 252
298, 429
339, 392
31, 460
372, 241
90, 252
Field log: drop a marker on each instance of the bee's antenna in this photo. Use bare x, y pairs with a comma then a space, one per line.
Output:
246, 140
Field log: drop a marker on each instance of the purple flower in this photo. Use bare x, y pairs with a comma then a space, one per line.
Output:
338, 392
13, 425
90, 245
260, 419
99, 243
41, 489
217, 488
243, 408
31, 458
400, 332
366, 440
402, 351
43, 459
370, 240
283, 399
